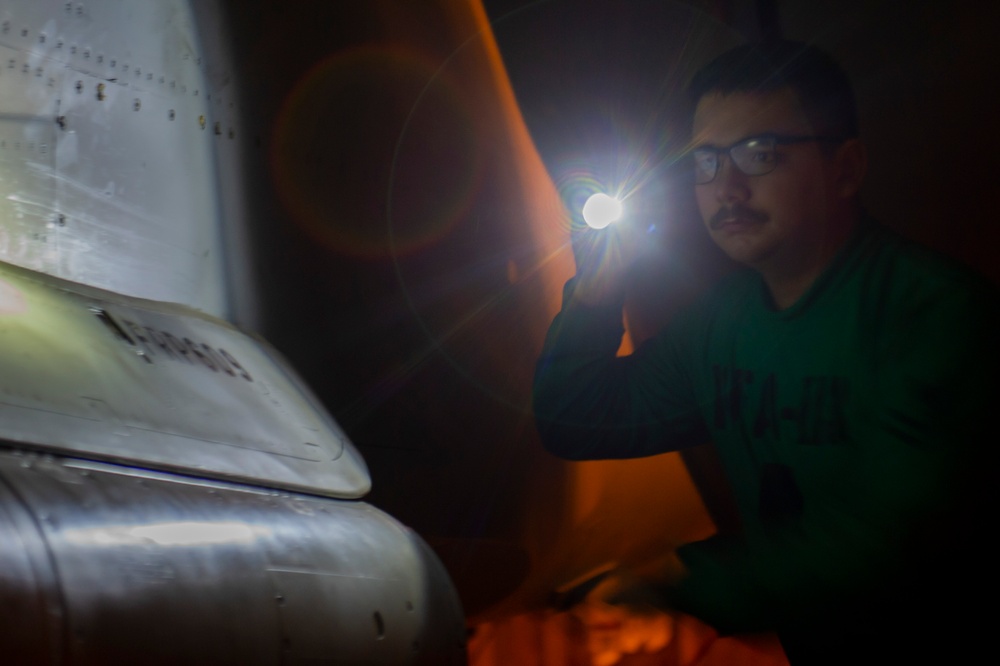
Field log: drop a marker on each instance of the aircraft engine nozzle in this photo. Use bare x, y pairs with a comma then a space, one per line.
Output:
105, 564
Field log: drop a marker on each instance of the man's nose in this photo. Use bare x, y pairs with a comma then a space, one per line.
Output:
730, 183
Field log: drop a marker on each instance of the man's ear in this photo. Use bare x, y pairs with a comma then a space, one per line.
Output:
851, 160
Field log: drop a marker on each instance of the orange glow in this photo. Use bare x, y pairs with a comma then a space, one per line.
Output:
623, 513
609, 637
547, 218
502, 211
593, 515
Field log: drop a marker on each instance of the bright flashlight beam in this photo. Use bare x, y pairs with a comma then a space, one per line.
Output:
601, 210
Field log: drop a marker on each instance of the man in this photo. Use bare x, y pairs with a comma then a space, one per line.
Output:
845, 377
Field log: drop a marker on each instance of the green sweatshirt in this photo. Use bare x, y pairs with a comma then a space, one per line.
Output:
851, 426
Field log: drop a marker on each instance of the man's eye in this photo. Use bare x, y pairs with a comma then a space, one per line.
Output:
704, 161
762, 156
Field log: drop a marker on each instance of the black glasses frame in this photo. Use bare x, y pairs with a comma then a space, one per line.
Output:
767, 144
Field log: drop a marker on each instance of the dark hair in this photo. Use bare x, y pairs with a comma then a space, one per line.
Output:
821, 85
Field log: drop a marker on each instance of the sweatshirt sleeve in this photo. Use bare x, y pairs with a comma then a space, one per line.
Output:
590, 404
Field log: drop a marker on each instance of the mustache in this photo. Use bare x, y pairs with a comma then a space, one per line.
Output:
735, 212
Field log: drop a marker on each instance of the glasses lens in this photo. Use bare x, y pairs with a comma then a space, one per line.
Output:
756, 156
706, 163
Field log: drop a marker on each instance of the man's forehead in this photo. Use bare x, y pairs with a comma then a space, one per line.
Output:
722, 119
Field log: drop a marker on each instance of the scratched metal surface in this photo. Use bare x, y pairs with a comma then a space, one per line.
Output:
111, 124
107, 132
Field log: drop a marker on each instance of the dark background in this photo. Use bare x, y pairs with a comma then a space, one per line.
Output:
395, 304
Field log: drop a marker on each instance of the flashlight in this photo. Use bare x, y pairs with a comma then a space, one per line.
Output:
600, 210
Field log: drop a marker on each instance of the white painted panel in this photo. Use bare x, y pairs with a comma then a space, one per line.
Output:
103, 376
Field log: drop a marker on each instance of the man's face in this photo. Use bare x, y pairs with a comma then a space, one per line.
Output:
773, 222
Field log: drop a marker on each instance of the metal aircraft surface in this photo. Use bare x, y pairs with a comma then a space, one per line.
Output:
170, 490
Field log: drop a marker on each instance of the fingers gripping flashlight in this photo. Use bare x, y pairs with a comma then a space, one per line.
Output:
599, 255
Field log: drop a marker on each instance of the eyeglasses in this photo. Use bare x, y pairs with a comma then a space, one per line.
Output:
754, 156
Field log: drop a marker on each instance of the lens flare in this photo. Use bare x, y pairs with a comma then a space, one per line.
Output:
601, 210
333, 181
